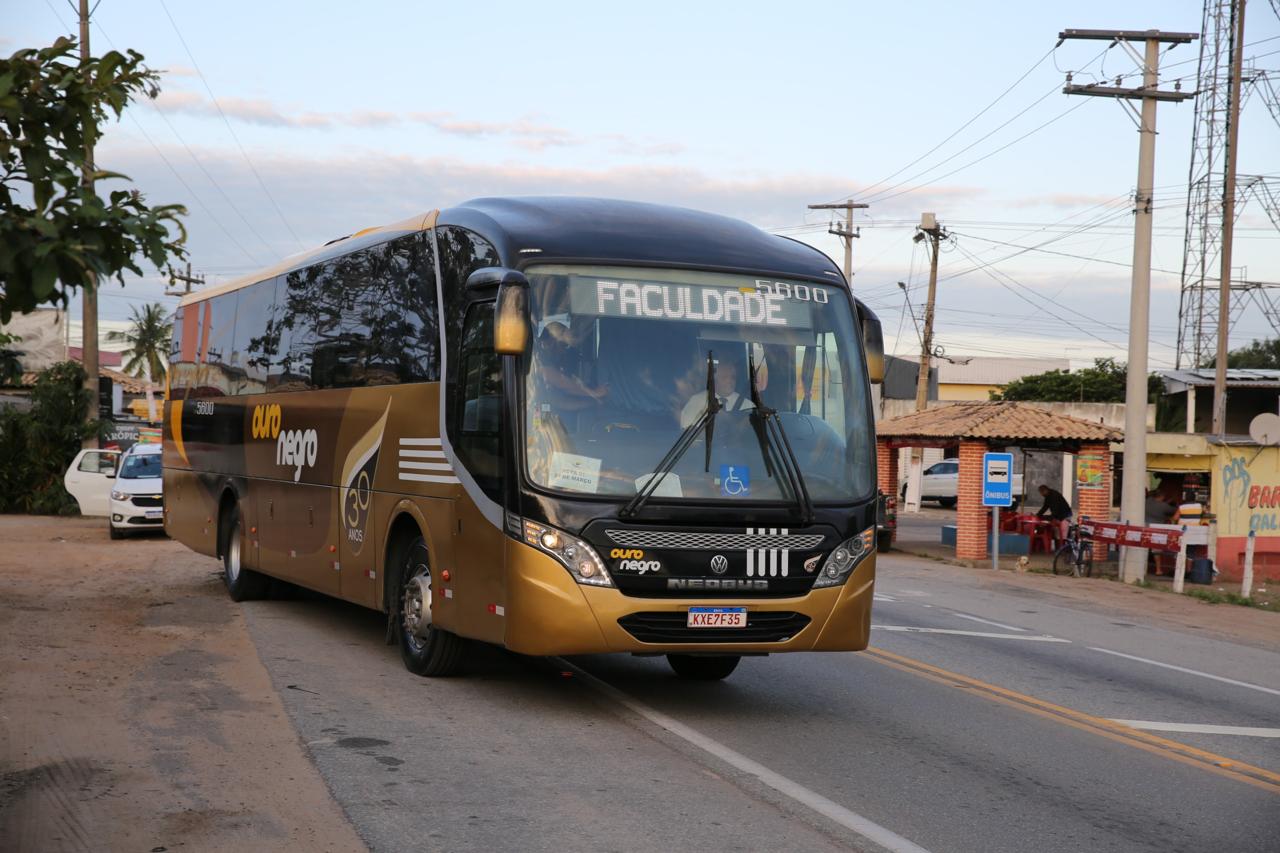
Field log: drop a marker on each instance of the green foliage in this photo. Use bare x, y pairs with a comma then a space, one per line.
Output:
10, 359
1258, 355
148, 340
36, 447
56, 236
1102, 383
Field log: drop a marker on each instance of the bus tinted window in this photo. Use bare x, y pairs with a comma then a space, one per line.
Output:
404, 314
218, 376
290, 366
479, 408
253, 346
462, 252
177, 380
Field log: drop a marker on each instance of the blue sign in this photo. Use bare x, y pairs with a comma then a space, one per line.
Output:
997, 479
735, 481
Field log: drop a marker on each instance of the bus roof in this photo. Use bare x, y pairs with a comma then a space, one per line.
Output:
562, 228
530, 229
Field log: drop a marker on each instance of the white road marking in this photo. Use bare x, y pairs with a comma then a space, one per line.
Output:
851, 820
879, 597
988, 622
1257, 687
1200, 729
911, 629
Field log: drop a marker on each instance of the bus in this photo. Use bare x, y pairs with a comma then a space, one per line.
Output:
559, 425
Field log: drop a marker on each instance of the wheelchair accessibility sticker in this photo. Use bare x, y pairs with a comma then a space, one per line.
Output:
735, 481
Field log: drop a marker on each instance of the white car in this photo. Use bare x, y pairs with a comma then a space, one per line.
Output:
137, 495
939, 481
90, 478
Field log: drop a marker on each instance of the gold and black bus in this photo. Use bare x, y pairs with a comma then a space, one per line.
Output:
559, 425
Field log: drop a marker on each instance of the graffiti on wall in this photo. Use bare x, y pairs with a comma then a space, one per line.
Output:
1235, 490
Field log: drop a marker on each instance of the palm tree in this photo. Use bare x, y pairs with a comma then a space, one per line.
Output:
148, 340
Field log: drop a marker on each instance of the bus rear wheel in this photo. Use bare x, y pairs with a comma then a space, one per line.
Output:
242, 584
702, 668
424, 648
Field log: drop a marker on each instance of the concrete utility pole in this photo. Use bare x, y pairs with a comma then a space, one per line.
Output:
89, 294
1133, 566
930, 230
847, 233
1228, 222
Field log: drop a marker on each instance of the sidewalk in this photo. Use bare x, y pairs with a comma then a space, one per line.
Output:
1203, 608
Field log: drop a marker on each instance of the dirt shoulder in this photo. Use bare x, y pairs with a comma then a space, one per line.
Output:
1246, 625
134, 712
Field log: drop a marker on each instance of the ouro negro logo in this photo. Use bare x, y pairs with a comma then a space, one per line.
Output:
295, 448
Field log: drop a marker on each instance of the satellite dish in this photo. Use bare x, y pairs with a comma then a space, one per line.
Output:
1265, 429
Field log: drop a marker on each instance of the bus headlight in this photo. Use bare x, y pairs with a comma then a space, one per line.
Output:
577, 556
841, 562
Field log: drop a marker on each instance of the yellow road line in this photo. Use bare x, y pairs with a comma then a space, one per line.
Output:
1221, 765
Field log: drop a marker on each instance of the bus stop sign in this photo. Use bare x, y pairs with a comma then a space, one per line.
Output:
997, 479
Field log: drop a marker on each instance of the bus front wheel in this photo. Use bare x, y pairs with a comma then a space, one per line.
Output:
699, 668
424, 648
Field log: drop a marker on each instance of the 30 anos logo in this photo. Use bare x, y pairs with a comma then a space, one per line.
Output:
295, 448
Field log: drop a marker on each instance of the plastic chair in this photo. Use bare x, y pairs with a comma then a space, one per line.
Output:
1042, 540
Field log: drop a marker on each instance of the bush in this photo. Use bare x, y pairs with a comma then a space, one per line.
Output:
36, 447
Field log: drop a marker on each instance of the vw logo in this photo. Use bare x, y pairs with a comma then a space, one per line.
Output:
719, 564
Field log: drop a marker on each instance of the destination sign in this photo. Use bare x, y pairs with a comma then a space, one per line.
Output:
690, 302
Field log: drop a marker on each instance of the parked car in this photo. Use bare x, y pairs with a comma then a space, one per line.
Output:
137, 496
939, 482
90, 478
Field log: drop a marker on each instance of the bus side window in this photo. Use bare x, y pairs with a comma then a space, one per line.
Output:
478, 415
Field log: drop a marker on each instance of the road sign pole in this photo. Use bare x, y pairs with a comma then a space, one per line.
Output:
995, 538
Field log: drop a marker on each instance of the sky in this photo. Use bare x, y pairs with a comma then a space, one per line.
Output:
284, 125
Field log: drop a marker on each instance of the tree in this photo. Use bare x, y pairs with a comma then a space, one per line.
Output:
1102, 383
55, 235
37, 446
1258, 355
148, 340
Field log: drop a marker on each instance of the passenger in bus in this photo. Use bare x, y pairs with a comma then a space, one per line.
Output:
559, 361
731, 400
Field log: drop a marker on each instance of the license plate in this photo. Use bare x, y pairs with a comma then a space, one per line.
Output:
717, 617
155, 513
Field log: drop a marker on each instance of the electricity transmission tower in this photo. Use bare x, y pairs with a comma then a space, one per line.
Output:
1198, 307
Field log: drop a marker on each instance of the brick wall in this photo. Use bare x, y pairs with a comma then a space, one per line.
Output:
886, 468
1095, 503
971, 515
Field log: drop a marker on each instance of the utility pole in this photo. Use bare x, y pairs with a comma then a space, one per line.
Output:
847, 233
1228, 222
187, 280
1133, 567
931, 231
89, 294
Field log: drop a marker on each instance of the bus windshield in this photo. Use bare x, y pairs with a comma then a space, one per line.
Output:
619, 369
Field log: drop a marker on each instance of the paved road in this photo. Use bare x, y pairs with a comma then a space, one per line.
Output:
980, 722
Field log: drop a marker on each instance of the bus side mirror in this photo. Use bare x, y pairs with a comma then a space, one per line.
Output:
873, 343
511, 319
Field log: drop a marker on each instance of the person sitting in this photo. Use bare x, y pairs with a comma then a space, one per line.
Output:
1056, 507
557, 362
726, 390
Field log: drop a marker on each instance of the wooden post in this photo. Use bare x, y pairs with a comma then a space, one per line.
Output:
1180, 567
1246, 583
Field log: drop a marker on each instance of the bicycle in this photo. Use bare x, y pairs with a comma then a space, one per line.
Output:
1075, 555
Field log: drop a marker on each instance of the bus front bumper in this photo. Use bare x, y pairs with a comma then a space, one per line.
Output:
548, 613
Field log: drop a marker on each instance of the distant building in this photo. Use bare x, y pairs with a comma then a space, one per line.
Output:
975, 378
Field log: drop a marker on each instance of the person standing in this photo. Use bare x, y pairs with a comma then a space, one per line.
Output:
1056, 507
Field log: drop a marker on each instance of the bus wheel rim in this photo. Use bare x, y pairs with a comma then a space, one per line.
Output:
233, 558
416, 606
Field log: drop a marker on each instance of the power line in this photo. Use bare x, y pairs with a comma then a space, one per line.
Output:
230, 129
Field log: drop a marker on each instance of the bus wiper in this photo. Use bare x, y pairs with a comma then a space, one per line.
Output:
772, 436
707, 422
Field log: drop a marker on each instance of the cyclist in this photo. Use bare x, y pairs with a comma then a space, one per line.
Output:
1056, 507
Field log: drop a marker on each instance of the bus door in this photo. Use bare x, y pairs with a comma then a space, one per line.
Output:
476, 424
